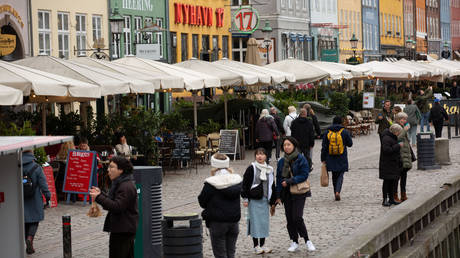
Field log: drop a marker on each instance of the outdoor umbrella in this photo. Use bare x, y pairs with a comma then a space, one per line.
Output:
303, 71
252, 53
335, 72
356, 72
388, 71
10, 96
158, 80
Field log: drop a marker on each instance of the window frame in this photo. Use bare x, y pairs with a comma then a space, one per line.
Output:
63, 34
80, 33
44, 32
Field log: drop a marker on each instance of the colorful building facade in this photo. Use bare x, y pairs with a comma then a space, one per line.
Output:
433, 26
445, 24
349, 18
324, 30
420, 19
14, 30
455, 28
391, 28
371, 35
409, 25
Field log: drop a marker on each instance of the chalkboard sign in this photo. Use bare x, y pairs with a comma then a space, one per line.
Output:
182, 145
229, 142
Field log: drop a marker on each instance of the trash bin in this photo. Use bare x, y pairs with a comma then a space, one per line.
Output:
425, 152
182, 236
148, 241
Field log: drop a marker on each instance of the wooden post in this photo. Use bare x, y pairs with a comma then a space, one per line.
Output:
225, 90
44, 118
195, 111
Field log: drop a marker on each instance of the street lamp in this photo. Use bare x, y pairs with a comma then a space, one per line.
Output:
354, 44
116, 26
446, 53
267, 30
410, 45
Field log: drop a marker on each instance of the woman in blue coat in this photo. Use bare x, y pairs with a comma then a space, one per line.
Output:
337, 164
292, 169
33, 205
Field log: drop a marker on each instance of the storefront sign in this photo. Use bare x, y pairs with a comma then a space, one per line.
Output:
246, 19
7, 44
452, 107
329, 55
139, 5
148, 51
48, 171
12, 11
197, 15
79, 172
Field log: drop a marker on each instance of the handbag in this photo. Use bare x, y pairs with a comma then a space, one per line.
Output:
256, 192
324, 176
300, 188
275, 137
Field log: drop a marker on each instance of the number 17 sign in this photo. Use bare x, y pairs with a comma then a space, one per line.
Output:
246, 19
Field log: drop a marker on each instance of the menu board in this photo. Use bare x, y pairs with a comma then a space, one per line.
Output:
229, 142
368, 100
79, 171
182, 145
48, 171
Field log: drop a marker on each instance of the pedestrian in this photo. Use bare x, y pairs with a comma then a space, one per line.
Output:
406, 154
279, 125
288, 120
454, 90
292, 169
413, 118
123, 148
390, 164
422, 103
384, 119
334, 153
220, 199
266, 131
121, 204
311, 115
258, 192
437, 117
33, 200
302, 131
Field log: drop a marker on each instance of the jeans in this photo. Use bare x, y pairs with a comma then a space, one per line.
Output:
424, 121
278, 148
293, 207
402, 180
438, 128
412, 133
337, 181
121, 245
223, 238
389, 188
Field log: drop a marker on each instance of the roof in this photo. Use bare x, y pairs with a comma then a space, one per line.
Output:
12, 144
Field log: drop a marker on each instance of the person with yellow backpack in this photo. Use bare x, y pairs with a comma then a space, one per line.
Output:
334, 153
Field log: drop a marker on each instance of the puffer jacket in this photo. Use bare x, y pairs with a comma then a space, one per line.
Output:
390, 164
406, 156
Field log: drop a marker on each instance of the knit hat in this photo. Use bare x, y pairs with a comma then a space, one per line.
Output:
218, 163
437, 100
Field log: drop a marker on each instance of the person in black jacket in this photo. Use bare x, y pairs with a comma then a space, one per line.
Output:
220, 199
279, 125
390, 163
302, 131
121, 202
311, 115
437, 116
265, 131
454, 91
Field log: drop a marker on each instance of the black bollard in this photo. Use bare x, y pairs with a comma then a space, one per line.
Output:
449, 133
66, 237
456, 124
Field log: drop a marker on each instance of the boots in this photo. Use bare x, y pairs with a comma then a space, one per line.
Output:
395, 196
30, 245
385, 202
392, 199
403, 196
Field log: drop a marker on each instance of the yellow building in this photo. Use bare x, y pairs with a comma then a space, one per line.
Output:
391, 28
59, 27
349, 20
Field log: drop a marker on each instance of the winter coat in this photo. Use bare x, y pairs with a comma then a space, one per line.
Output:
288, 121
390, 164
300, 171
220, 198
33, 206
248, 182
302, 131
413, 114
385, 122
336, 163
314, 119
438, 114
279, 123
406, 155
454, 92
123, 213
422, 101
265, 128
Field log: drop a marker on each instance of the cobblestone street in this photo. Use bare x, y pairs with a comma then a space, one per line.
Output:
328, 221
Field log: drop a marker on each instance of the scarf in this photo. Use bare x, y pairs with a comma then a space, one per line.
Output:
116, 183
288, 158
264, 170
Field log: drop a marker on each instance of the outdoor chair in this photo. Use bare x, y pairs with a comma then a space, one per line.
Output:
203, 148
351, 126
213, 142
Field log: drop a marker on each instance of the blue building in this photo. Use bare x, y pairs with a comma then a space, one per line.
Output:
445, 24
371, 36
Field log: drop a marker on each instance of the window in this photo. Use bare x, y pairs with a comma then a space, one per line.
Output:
239, 49
184, 46
195, 45
127, 35
225, 46
205, 43
215, 47
44, 32
159, 22
173, 47
116, 45
63, 35
137, 28
80, 28
97, 27
148, 22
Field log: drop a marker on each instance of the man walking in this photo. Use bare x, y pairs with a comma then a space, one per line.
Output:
422, 103
288, 120
302, 130
384, 119
279, 124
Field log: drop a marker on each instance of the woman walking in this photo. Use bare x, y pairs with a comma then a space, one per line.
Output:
390, 164
437, 116
334, 153
265, 131
258, 192
406, 155
413, 118
121, 202
292, 169
220, 199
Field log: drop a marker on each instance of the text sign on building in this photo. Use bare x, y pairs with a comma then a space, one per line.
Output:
138, 5
148, 51
246, 19
197, 15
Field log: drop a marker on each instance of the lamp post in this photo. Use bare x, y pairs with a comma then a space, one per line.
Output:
116, 27
410, 46
354, 45
445, 52
267, 30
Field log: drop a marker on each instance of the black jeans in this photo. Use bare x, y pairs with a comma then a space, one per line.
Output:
293, 208
30, 228
438, 128
278, 148
121, 245
337, 181
268, 148
403, 180
223, 238
389, 188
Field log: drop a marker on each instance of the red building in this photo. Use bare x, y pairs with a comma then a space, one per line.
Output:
420, 18
455, 28
433, 25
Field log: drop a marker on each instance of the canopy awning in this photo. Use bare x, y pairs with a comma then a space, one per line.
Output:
302, 70
10, 96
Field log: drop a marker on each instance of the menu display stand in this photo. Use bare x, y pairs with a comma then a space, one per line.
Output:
229, 143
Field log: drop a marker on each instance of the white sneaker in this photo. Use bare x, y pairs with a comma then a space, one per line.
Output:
267, 250
293, 247
258, 250
310, 246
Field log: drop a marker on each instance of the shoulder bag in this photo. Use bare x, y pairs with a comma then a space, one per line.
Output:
300, 188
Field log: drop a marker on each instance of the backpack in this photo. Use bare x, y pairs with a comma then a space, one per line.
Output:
335, 142
27, 185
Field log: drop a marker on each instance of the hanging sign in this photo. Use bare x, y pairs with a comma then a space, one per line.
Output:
246, 20
80, 171
7, 44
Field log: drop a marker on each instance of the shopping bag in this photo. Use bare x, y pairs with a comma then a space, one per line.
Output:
324, 176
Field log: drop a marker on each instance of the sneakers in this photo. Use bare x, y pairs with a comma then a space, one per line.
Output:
258, 250
267, 250
293, 247
310, 246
